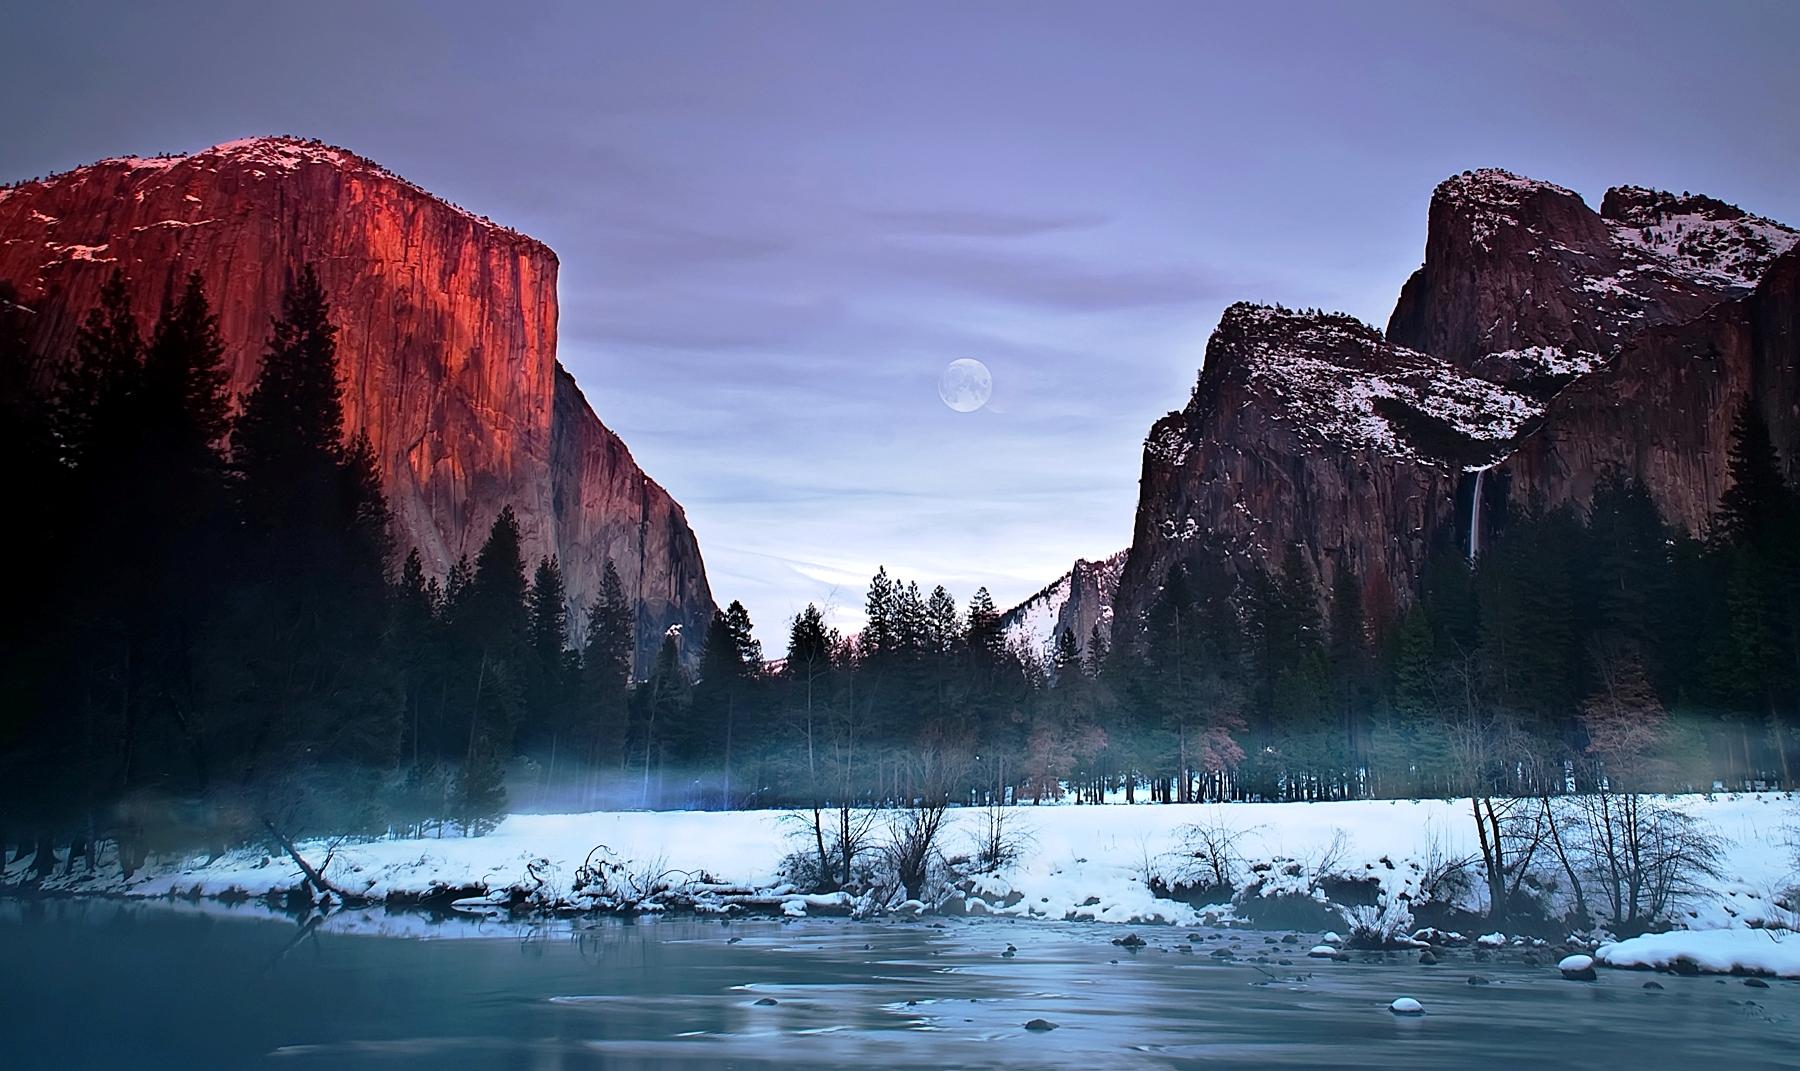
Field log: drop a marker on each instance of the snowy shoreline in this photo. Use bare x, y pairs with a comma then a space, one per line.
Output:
1080, 863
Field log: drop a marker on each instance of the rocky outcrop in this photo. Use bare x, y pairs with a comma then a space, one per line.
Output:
447, 342
1541, 342
1310, 429
1661, 411
1078, 602
1522, 281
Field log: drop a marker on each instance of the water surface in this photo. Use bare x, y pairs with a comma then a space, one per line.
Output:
159, 985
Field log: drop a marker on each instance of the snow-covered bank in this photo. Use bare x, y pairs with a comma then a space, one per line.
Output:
1087, 863
1742, 951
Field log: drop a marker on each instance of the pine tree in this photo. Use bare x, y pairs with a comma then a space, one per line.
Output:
986, 641
878, 633
288, 439
659, 704
1630, 562
551, 669
185, 380
911, 628
1757, 507
456, 585
1065, 658
743, 638
418, 604
943, 625
1756, 534
721, 711
311, 620
1095, 659
97, 396
606, 651
549, 614
811, 656
497, 614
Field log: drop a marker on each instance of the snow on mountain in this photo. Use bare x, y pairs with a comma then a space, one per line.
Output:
259, 157
1702, 238
1494, 200
1077, 601
1335, 380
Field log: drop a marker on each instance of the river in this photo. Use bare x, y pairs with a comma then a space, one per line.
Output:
157, 985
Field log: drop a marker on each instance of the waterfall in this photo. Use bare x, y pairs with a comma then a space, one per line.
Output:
1475, 514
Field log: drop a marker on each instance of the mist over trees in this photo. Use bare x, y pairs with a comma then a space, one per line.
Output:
251, 653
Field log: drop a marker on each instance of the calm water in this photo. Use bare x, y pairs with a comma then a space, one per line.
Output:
90, 985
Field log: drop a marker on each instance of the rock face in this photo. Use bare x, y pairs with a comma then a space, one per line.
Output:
1079, 601
446, 344
1311, 429
1540, 345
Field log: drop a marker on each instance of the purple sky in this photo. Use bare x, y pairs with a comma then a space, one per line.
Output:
779, 221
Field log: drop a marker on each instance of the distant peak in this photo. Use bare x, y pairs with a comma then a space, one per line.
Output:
1640, 205
1488, 185
1698, 237
267, 156
284, 152
1247, 319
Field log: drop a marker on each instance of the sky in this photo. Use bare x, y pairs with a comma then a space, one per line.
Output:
779, 221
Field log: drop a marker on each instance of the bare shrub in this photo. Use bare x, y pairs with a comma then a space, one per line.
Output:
1001, 839
1638, 857
608, 878
1208, 854
1383, 924
1328, 862
912, 846
835, 838
1444, 877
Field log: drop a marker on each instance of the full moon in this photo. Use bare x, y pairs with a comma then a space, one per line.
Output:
966, 385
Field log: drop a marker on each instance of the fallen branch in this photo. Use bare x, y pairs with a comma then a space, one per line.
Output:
318, 880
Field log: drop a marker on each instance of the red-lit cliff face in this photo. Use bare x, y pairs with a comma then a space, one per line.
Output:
447, 342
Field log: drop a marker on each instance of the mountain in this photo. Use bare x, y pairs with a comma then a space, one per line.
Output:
1539, 346
446, 343
1077, 601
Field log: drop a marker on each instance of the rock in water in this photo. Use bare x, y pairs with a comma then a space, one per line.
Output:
1427, 959
767, 1002
1476, 979
1653, 985
1406, 1006
1039, 1026
1756, 983
1130, 940
1577, 968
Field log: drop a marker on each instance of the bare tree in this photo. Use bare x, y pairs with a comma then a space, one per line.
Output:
837, 836
1641, 856
1208, 852
912, 842
1001, 838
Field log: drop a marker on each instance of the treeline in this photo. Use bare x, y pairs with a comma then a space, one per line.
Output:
208, 638
211, 638
1579, 650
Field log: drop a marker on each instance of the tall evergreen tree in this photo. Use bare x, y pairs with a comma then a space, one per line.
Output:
606, 650
878, 633
288, 440
311, 622
943, 625
552, 666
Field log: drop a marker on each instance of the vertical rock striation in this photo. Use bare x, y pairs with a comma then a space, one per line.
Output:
447, 342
